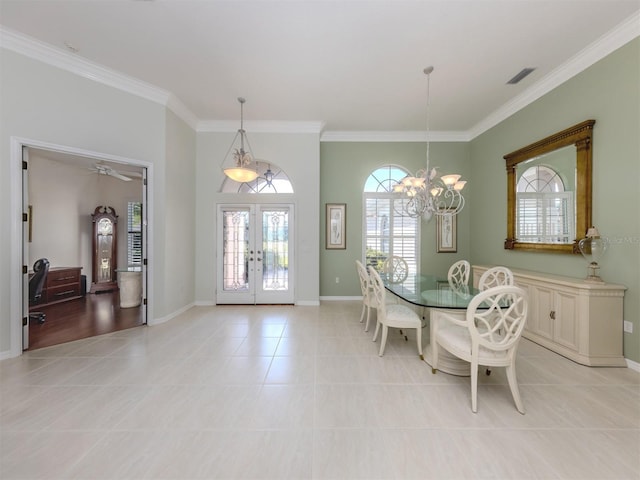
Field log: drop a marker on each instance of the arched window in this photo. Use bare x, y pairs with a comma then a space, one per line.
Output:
386, 231
271, 179
545, 211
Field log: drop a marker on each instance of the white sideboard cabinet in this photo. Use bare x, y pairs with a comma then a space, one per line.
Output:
579, 320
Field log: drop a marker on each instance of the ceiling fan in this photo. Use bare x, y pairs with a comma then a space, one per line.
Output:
106, 170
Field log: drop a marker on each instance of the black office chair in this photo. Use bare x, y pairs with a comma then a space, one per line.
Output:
36, 284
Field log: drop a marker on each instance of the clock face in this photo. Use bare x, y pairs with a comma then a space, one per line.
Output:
105, 227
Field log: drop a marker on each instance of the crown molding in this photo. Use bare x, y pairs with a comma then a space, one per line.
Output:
391, 136
57, 57
605, 45
181, 110
231, 126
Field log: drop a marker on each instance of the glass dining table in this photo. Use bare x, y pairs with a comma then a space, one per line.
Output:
440, 298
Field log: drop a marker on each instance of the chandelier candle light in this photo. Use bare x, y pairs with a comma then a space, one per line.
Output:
241, 171
429, 194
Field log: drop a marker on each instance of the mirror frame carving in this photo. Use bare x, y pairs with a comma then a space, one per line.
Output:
580, 135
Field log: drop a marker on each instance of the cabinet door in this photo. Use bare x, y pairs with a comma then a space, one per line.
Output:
566, 323
542, 306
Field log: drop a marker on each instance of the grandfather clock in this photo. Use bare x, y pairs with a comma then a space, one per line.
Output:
105, 250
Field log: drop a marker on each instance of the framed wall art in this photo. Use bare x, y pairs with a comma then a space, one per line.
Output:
336, 238
446, 239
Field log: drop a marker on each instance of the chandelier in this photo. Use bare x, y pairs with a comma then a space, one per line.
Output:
429, 194
243, 170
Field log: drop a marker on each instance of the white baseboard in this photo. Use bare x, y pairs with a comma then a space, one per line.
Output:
341, 299
204, 303
308, 303
166, 318
633, 365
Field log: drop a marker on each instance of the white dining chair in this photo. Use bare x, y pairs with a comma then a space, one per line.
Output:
392, 315
396, 269
494, 277
458, 274
368, 299
488, 335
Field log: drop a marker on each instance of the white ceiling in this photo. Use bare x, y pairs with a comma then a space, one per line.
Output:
352, 65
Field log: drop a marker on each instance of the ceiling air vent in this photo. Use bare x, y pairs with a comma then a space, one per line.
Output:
523, 73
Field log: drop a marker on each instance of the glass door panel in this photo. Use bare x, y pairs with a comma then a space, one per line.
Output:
255, 254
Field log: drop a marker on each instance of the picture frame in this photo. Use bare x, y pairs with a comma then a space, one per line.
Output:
446, 233
336, 226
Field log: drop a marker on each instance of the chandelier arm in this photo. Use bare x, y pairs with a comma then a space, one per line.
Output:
249, 150
230, 148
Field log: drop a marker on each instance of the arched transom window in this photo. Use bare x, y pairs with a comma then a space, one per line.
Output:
545, 211
386, 231
271, 179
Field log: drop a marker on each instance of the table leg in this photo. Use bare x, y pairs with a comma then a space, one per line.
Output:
447, 363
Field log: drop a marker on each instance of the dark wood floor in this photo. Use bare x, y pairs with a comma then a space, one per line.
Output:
91, 315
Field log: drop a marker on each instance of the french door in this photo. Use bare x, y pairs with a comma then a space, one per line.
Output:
255, 254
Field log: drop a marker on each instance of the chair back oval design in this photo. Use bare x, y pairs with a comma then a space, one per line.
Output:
363, 276
497, 316
494, 277
458, 274
396, 269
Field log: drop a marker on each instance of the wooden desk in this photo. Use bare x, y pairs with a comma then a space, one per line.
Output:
61, 285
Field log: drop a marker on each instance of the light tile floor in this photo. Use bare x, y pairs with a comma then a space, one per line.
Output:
300, 392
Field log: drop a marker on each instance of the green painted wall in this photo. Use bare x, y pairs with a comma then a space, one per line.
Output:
344, 168
608, 92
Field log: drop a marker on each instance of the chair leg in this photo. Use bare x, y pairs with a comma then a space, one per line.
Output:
513, 385
383, 340
419, 341
364, 306
366, 325
474, 386
375, 334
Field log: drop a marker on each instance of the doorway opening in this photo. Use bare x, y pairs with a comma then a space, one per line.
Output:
61, 189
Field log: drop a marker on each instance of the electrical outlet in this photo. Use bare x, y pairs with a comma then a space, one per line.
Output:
628, 326
337, 279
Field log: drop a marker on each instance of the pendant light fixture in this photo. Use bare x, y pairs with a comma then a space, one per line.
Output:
429, 194
243, 169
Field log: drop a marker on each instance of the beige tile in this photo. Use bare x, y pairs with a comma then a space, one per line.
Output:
42, 457
352, 453
266, 455
300, 392
292, 370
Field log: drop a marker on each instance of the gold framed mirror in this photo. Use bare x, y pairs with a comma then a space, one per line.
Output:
548, 194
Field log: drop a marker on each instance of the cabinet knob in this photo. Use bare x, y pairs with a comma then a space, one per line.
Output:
552, 315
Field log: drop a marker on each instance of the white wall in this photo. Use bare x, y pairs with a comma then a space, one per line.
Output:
177, 217
298, 154
47, 104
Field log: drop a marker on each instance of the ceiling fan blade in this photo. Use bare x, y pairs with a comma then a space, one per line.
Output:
115, 174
